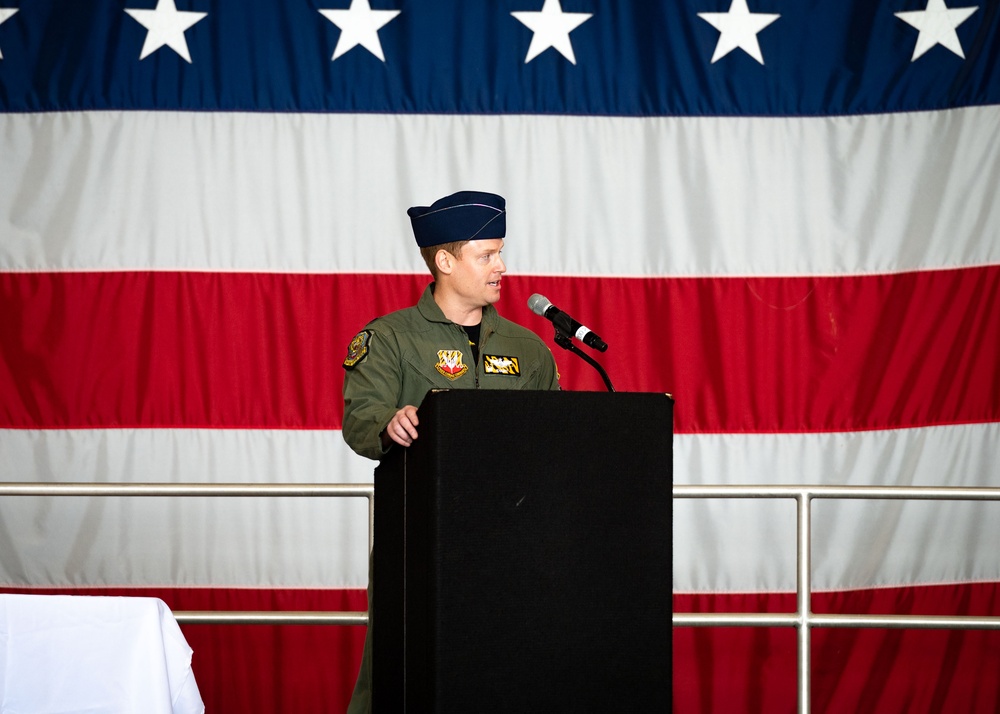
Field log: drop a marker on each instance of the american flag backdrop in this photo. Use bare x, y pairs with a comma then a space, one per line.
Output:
786, 213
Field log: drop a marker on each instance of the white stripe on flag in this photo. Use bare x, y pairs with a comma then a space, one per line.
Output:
749, 545
718, 545
661, 196
205, 541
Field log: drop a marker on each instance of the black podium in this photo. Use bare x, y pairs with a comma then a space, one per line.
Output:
523, 556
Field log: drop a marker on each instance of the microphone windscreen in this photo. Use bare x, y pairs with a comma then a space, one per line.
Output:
539, 304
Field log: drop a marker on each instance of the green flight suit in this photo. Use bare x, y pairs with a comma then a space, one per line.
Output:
400, 357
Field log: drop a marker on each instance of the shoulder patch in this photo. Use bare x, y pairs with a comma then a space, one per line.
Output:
358, 349
499, 364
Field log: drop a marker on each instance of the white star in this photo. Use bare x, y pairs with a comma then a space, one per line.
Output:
166, 25
937, 25
551, 28
5, 14
739, 28
359, 25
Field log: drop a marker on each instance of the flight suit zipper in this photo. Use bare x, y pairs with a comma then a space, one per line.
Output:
484, 333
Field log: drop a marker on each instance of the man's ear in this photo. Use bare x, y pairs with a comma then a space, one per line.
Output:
444, 261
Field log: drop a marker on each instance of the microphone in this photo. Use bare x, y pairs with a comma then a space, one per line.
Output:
540, 305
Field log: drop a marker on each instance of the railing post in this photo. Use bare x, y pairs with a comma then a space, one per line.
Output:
371, 520
804, 597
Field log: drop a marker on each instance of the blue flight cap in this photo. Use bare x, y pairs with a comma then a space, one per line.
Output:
466, 215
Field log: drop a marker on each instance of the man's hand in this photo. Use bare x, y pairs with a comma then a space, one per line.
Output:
402, 428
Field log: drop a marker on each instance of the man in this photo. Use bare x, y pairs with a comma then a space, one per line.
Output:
453, 338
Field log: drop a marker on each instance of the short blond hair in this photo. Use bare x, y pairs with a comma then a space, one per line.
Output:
429, 252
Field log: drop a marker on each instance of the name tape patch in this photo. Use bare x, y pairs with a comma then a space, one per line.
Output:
500, 364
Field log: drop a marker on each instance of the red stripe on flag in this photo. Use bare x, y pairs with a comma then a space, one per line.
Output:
238, 350
303, 668
753, 669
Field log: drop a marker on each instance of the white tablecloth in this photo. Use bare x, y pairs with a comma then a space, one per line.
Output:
99, 655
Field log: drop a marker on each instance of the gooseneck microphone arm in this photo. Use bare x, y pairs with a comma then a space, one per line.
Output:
566, 342
566, 329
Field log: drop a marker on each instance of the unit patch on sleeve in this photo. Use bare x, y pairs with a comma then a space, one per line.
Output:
498, 364
358, 349
450, 364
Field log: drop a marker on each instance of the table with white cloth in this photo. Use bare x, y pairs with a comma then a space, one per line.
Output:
65, 653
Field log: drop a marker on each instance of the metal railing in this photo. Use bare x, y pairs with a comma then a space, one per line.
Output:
231, 490
804, 619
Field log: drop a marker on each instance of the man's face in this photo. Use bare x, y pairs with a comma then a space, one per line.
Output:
477, 272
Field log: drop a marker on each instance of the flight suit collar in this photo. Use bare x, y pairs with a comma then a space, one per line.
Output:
431, 312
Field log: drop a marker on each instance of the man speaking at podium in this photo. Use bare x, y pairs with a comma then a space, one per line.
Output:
453, 338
